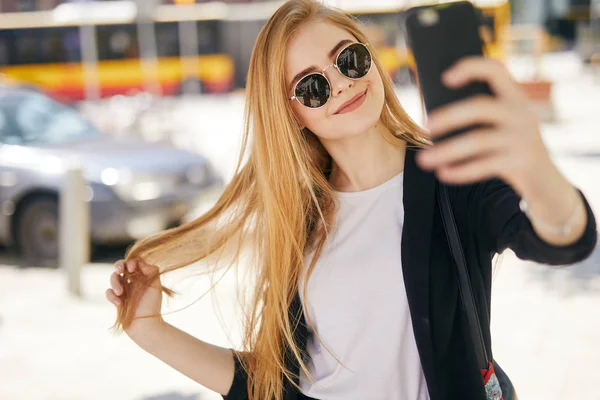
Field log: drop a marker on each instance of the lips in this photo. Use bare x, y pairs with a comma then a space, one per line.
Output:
349, 102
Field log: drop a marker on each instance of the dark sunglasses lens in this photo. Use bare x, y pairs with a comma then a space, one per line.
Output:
313, 90
354, 61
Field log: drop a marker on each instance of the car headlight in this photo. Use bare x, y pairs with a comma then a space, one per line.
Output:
110, 176
139, 187
131, 186
140, 191
145, 191
122, 181
113, 176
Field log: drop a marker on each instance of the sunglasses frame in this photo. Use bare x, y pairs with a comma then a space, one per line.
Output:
322, 72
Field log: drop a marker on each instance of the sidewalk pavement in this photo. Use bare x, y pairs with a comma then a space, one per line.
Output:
545, 320
56, 346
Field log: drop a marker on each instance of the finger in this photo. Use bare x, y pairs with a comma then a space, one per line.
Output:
110, 296
131, 265
472, 171
150, 270
120, 266
476, 110
487, 70
115, 283
470, 145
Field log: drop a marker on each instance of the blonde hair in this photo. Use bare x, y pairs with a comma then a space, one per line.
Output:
279, 201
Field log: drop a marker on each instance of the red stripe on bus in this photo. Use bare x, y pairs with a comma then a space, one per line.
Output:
69, 94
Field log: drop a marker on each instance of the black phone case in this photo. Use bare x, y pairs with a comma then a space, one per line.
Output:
437, 46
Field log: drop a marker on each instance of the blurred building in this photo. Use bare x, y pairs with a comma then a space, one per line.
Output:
559, 17
27, 5
523, 11
37, 5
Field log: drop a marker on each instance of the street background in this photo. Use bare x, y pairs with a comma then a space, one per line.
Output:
545, 320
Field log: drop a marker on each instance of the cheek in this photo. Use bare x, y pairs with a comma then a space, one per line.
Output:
309, 117
376, 86
377, 95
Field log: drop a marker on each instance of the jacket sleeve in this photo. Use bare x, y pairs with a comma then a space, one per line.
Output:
239, 387
499, 222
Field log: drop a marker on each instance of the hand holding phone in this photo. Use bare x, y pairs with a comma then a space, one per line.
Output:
439, 36
481, 122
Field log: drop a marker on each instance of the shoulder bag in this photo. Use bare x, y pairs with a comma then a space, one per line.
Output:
497, 384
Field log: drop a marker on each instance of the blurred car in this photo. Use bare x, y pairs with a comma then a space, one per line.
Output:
134, 188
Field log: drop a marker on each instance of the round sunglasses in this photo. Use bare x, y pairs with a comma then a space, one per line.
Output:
314, 90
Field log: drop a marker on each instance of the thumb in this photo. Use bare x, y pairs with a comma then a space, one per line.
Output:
151, 272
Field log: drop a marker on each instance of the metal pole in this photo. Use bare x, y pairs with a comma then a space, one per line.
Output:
89, 61
74, 228
147, 43
148, 58
188, 53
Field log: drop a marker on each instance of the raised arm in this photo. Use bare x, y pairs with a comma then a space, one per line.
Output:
211, 366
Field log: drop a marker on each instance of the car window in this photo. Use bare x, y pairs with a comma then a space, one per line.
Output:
3, 125
36, 119
8, 131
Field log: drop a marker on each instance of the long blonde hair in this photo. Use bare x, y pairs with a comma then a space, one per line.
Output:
279, 201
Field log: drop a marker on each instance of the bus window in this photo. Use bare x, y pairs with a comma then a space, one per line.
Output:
4, 51
51, 43
71, 44
27, 49
208, 37
167, 39
116, 42
40, 46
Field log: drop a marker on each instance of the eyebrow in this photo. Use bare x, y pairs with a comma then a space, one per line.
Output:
314, 68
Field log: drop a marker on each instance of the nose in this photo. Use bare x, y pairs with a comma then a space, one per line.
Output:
339, 82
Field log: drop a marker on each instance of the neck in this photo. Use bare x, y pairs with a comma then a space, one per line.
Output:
365, 161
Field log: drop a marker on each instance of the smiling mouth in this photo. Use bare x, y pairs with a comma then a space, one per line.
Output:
352, 106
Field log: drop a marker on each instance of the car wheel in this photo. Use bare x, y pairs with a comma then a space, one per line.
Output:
37, 231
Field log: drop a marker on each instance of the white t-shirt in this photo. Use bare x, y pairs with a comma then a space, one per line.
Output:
358, 305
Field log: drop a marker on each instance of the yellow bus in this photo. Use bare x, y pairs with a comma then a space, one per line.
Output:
44, 49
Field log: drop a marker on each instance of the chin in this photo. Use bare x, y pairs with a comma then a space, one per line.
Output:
358, 123
354, 123
356, 127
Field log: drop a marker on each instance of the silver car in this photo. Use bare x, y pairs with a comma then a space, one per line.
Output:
133, 188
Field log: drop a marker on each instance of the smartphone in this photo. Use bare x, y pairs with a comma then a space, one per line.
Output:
440, 35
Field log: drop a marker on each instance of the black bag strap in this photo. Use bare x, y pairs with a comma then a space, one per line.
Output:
464, 282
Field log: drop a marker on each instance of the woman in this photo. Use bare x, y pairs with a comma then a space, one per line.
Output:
355, 294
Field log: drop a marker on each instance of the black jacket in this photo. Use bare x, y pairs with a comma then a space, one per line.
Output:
489, 221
